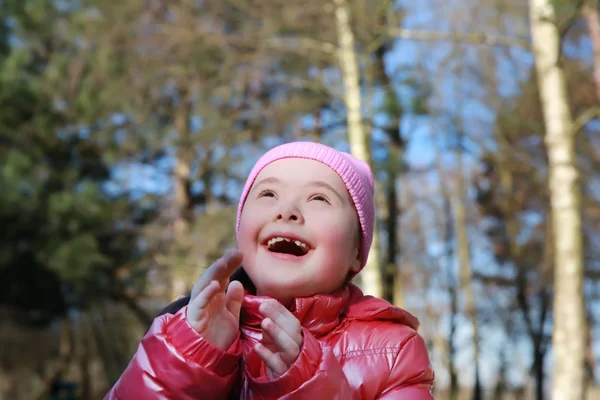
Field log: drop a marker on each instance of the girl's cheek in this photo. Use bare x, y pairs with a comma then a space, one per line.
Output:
338, 238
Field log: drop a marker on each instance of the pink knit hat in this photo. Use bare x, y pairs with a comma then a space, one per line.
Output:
355, 174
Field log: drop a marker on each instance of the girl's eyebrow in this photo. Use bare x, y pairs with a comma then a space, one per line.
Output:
326, 186
270, 180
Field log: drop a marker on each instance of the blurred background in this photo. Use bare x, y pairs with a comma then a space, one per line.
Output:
127, 128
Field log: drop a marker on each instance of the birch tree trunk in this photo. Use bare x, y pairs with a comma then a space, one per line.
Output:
568, 338
466, 280
357, 136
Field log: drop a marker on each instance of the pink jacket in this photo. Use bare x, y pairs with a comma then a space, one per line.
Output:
355, 347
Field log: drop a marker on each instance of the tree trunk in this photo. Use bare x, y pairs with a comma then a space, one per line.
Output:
392, 283
85, 357
592, 19
103, 343
452, 371
590, 356
466, 281
357, 136
182, 200
501, 387
538, 369
568, 337
450, 278
393, 290
66, 355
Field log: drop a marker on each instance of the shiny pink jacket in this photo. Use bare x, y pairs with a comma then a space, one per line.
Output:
355, 347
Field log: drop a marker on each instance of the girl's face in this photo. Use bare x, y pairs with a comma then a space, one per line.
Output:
298, 230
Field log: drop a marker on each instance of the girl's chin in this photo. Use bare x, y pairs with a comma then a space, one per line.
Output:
283, 290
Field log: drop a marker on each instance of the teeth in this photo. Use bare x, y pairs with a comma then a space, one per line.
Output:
298, 243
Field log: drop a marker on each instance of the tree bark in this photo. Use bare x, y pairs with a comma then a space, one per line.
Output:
357, 135
568, 337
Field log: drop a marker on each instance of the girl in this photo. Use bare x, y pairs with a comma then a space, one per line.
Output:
289, 325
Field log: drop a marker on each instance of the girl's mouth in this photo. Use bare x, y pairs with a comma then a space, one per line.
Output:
287, 245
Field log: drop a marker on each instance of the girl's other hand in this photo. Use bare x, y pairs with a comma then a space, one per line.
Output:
215, 304
282, 338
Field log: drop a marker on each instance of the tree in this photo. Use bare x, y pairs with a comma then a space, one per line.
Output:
357, 136
64, 242
565, 196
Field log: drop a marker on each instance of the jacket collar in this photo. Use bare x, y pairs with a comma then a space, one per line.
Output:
322, 313
319, 314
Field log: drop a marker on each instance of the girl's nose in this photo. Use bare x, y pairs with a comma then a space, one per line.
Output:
289, 213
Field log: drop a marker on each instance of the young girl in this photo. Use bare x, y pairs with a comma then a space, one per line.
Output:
289, 325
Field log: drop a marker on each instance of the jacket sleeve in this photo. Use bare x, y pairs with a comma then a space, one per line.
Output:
411, 376
316, 374
174, 362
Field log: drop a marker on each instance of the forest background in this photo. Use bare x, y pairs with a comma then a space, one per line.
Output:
127, 129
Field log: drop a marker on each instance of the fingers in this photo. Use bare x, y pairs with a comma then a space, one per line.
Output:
229, 263
268, 341
201, 302
235, 296
204, 297
271, 359
283, 318
282, 337
288, 347
221, 270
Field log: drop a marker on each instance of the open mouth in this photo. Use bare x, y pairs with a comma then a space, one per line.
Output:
285, 245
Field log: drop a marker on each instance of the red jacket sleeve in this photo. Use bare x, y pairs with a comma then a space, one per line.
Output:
174, 362
316, 374
411, 376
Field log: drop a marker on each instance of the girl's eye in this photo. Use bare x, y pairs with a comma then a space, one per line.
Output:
320, 197
266, 193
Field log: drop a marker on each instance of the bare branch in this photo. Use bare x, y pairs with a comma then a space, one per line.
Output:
584, 118
302, 44
477, 38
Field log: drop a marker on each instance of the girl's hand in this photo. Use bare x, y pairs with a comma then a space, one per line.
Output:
213, 312
281, 338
